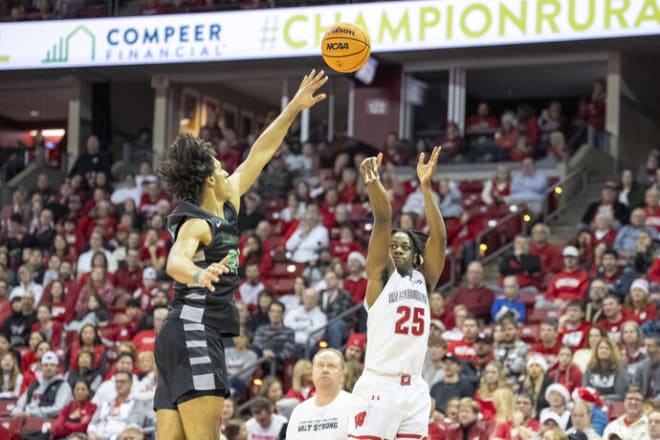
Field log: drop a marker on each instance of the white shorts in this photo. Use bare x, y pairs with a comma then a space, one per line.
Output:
390, 407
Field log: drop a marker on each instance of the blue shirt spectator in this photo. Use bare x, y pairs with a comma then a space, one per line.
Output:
509, 302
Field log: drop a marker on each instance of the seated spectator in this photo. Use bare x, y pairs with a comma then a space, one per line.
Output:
11, 379
633, 424
598, 419
116, 414
645, 252
581, 421
632, 347
549, 254
606, 371
355, 281
647, 373
18, 325
275, 340
260, 316
335, 301
492, 380
414, 203
615, 278
95, 313
95, 245
509, 302
250, 288
602, 230
573, 329
108, 390
626, 239
308, 239
452, 385
594, 307
145, 389
26, 284
306, 321
569, 284
241, 363
631, 193
528, 186
521, 264
511, 351
456, 333
128, 277
536, 381
497, 189
469, 425
524, 425
613, 317
85, 371
29, 356
609, 205
355, 347
582, 356
88, 338
346, 244
652, 209
565, 372
264, 424
46, 397
482, 121
302, 387
558, 399
433, 370
463, 348
100, 283
48, 327
450, 199
550, 344
75, 416
145, 340
475, 296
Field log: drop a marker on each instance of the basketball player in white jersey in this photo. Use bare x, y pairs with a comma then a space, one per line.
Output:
391, 400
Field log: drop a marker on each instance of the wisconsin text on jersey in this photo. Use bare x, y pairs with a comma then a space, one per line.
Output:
407, 294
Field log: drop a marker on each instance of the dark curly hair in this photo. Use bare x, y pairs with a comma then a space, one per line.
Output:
417, 239
188, 163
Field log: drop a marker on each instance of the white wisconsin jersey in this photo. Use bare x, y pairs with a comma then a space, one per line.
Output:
398, 326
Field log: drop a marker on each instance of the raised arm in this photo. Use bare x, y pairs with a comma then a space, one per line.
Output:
434, 252
180, 265
270, 140
378, 256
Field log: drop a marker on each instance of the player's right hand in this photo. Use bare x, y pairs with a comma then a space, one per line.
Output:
213, 273
369, 168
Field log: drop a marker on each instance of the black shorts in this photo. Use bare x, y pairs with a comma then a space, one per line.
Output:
190, 358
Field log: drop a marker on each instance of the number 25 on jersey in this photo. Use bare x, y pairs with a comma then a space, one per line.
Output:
411, 321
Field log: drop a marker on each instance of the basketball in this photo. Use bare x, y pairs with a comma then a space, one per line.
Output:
345, 47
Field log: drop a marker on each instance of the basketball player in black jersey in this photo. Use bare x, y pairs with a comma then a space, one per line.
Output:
192, 377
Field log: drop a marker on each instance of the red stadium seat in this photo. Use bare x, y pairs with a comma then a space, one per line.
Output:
530, 333
274, 241
37, 424
286, 270
12, 425
539, 315
615, 410
6, 405
280, 286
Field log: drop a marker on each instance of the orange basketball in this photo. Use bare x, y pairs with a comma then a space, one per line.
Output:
345, 47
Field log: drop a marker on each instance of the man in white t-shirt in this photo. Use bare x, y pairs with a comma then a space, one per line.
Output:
264, 425
326, 415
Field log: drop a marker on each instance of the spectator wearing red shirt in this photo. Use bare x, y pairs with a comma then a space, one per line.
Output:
144, 340
569, 284
90, 339
566, 372
491, 380
521, 264
128, 276
637, 304
602, 230
48, 327
75, 416
355, 281
440, 311
229, 157
614, 317
549, 254
347, 186
482, 121
151, 197
573, 328
151, 254
126, 323
498, 188
452, 143
469, 426
5, 305
464, 349
145, 293
393, 152
345, 245
302, 387
475, 296
596, 106
550, 343
615, 278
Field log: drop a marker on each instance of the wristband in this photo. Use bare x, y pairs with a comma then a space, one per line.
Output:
196, 276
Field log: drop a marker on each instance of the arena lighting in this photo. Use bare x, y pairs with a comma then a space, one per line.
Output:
33, 133
492, 223
258, 382
513, 208
291, 268
184, 121
527, 218
559, 190
53, 132
34, 113
367, 226
483, 247
323, 344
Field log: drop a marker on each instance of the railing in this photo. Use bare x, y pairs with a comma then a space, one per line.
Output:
254, 365
309, 344
574, 184
451, 260
512, 222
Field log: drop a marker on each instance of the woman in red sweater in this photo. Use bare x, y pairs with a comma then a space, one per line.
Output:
75, 416
566, 372
492, 380
302, 388
90, 339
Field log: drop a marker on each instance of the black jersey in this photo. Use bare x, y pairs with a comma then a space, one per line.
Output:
198, 304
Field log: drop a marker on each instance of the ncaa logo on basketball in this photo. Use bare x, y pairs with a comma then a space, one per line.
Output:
337, 46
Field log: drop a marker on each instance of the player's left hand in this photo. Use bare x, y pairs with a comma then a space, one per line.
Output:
304, 97
426, 170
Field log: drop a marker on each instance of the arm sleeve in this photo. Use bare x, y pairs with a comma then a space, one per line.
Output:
294, 241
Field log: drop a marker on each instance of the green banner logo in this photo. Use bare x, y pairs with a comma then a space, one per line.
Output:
85, 41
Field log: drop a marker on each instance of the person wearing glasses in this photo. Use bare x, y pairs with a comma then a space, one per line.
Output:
633, 424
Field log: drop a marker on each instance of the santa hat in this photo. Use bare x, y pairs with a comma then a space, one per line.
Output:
357, 340
357, 256
558, 388
587, 394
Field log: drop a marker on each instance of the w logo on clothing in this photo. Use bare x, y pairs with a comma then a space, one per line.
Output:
359, 419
